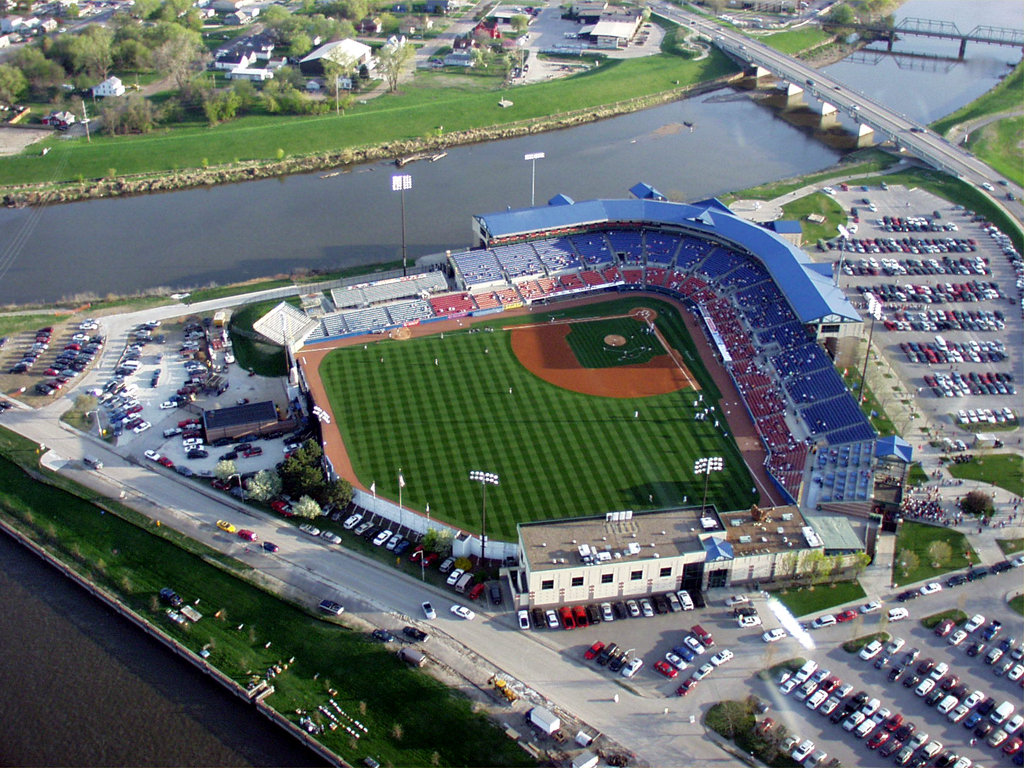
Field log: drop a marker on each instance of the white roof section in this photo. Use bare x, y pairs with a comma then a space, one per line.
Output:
608, 28
340, 49
285, 324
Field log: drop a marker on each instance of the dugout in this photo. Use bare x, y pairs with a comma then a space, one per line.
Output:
238, 421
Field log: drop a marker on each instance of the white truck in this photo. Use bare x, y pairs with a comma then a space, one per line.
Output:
544, 720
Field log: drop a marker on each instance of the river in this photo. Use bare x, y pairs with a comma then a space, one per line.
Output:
81, 687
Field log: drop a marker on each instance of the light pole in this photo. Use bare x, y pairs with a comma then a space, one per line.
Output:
705, 466
423, 552
533, 157
399, 183
875, 310
485, 479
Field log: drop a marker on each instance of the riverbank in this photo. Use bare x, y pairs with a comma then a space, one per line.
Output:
429, 142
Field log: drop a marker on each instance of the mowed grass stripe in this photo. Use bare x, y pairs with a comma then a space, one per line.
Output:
559, 453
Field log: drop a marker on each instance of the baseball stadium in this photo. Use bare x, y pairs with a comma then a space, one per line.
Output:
588, 354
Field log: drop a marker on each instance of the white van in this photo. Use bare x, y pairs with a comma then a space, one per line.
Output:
805, 671
463, 583
1001, 713
941, 343
898, 614
948, 703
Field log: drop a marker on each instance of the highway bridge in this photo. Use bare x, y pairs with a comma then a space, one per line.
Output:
904, 132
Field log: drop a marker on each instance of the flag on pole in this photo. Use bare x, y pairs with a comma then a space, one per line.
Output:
373, 487
401, 480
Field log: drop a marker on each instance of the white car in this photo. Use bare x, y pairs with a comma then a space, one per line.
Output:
381, 538
930, 589
1016, 673
1013, 724
824, 621
454, 577
925, 687
393, 542
871, 607
721, 657
871, 650
707, 669
152, 455
736, 600
331, 537
773, 635
141, 428
974, 622
167, 405
646, 607
606, 612
634, 609
898, 614
974, 699
957, 637
632, 667
428, 610
787, 685
524, 619
312, 530
675, 661
749, 621
694, 644
552, 619
463, 612
817, 699
352, 521
685, 599
896, 644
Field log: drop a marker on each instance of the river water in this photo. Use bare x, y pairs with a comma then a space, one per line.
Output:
81, 687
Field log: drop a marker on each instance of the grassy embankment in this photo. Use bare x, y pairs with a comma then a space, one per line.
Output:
1005, 470
1006, 95
820, 204
796, 41
807, 600
1011, 546
414, 113
916, 538
999, 145
412, 719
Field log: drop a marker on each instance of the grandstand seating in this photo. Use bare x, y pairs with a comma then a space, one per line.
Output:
478, 267
627, 244
611, 274
592, 248
487, 300
366, 319
452, 303
558, 254
570, 281
718, 262
633, 276
592, 277
518, 260
656, 275
661, 247
334, 324
508, 296
691, 252
409, 311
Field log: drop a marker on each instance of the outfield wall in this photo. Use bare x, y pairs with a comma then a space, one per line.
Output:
464, 543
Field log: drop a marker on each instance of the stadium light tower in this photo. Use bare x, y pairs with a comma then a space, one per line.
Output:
705, 466
533, 157
399, 183
485, 479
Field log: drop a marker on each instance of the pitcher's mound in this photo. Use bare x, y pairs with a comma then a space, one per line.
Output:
401, 334
614, 340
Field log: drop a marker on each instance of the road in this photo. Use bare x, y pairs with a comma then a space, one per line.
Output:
906, 133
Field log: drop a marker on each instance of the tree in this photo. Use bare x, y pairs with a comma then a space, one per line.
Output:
440, 541
520, 24
939, 552
179, 58
92, 51
219, 106
225, 469
264, 485
391, 59
307, 508
132, 54
41, 74
976, 503
841, 14
332, 75
301, 45
127, 114
337, 493
907, 561
12, 84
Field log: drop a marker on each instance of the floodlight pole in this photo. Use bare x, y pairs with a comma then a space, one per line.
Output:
533, 157
485, 479
874, 309
399, 183
707, 466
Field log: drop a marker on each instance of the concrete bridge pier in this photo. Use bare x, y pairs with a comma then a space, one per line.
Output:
963, 48
865, 136
794, 95
829, 115
758, 73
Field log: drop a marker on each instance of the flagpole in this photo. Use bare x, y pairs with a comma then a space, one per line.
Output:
401, 509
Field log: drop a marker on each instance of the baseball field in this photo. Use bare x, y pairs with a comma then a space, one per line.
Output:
579, 411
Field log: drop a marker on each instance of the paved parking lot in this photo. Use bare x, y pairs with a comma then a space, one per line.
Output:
898, 201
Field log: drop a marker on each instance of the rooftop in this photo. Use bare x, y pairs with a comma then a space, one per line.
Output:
762, 530
249, 413
615, 536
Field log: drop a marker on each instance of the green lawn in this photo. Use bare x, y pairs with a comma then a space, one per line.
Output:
958, 617
1008, 94
10, 324
412, 719
1011, 546
998, 144
558, 453
1017, 604
793, 41
916, 537
823, 204
265, 359
414, 113
1001, 469
807, 600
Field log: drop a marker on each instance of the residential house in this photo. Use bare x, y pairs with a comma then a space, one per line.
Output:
112, 86
459, 59
60, 120
439, 7
415, 26
242, 16
369, 26
348, 51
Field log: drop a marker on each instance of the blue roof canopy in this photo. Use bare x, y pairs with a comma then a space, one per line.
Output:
894, 447
813, 296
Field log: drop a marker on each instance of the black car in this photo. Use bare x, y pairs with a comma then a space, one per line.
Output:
859, 698
198, 453
993, 629
1001, 566
911, 681
986, 706
881, 661
910, 657
606, 654
183, 470
617, 661
895, 674
383, 635
414, 634
593, 612
841, 714
890, 747
926, 666
910, 594
229, 456
975, 649
946, 759
171, 597
537, 617
984, 729
956, 580
620, 610
905, 731
976, 574
935, 697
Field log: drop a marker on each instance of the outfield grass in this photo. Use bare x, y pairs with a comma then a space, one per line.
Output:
558, 453
1008, 94
916, 537
436, 726
413, 113
998, 144
1001, 469
807, 600
586, 340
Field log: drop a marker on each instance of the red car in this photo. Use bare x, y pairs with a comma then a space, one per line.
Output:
878, 738
281, 507
666, 669
165, 462
688, 685
1012, 746
830, 684
417, 553
764, 726
430, 559
580, 615
893, 722
846, 616
245, 533
593, 650
565, 614
187, 422
476, 591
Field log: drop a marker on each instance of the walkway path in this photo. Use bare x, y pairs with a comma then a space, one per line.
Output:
960, 132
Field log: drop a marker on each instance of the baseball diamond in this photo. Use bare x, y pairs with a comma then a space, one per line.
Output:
562, 448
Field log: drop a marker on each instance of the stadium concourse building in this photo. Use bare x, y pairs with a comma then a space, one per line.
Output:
624, 555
